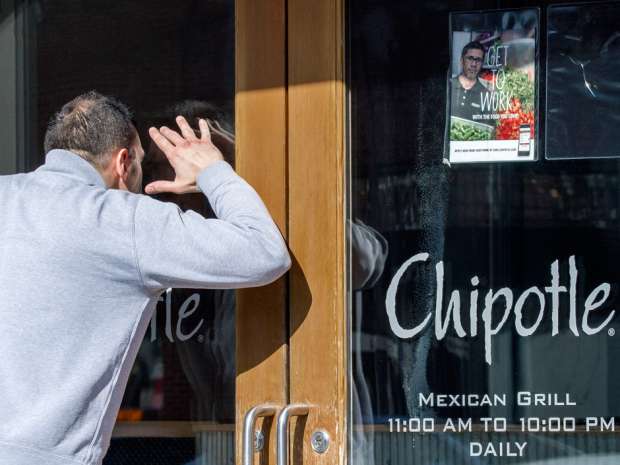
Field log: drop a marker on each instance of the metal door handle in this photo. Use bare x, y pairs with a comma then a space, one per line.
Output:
249, 422
282, 429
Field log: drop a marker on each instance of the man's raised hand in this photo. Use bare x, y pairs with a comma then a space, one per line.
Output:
187, 154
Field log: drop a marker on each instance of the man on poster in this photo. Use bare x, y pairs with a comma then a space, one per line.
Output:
467, 88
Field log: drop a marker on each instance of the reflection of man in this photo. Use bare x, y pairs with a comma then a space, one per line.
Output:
208, 365
85, 258
467, 88
369, 251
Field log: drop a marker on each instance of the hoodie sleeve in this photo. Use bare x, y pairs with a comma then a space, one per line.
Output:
242, 247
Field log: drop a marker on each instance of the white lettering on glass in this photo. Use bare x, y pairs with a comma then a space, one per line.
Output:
500, 303
184, 312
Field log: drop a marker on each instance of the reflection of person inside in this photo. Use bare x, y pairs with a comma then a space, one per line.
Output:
467, 88
369, 251
207, 350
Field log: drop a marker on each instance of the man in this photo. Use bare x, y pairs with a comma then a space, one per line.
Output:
84, 259
467, 88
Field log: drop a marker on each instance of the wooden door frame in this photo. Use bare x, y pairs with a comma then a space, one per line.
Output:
316, 132
290, 134
261, 158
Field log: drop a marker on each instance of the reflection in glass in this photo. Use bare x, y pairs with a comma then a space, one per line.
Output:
200, 324
491, 233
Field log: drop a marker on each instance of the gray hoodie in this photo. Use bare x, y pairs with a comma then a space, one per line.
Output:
81, 268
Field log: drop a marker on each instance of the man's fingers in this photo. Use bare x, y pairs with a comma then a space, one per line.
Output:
157, 187
205, 133
161, 142
172, 136
174, 187
186, 129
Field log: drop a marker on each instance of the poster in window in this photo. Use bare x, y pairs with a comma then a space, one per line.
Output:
583, 74
492, 88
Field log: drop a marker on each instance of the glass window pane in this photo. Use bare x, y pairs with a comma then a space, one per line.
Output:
160, 58
450, 267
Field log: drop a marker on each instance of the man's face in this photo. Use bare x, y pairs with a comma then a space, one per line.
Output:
134, 176
472, 63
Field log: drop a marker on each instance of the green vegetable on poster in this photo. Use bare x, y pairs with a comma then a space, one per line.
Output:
460, 131
518, 86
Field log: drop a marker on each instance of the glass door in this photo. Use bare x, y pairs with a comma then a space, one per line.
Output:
222, 60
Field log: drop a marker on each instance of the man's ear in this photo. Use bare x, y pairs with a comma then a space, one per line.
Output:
121, 161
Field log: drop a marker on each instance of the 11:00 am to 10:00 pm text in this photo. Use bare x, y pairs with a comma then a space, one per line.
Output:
500, 425
494, 447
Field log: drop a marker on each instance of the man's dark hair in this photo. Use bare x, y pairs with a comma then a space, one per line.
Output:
475, 45
91, 125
